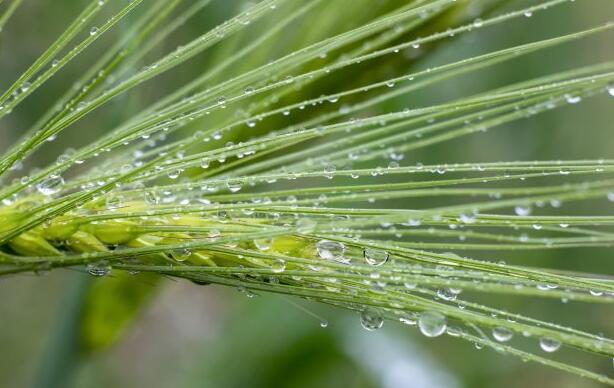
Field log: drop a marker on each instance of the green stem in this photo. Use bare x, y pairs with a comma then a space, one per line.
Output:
61, 357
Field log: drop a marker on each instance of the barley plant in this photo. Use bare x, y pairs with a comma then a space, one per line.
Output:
295, 148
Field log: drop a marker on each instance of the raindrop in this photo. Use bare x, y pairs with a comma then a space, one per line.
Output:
371, 321
151, 198
448, 294
181, 254
93, 31
98, 269
234, 186
573, 99
432, 323
329, 171
331, 250
263, 244
467, 218
502, 334
174, 174
278, 266
51, 185
523, 211
549, 345
375, 256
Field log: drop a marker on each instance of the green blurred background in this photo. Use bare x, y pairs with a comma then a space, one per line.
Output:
209, 336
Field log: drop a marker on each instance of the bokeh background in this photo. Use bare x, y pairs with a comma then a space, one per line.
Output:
210, 336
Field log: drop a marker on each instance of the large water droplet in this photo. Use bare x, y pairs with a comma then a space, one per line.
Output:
432, 323
502, 334
98, 269
375, 256
278, 266
263, 244
151, 198
549, 345
174, 174
234, 185
371, 321
331, 250
51, 185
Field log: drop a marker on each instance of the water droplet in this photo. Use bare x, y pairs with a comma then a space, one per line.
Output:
371, 321
51, 185
263, 244
174, 174
181, 254
151, 198
329, 171
98, 269
408, 320
234, 185
93, 31
502, 334
432, 323
375, 256
467, 218
523, 211
448, 294
549, 345
331, 250
278, 266
573, 99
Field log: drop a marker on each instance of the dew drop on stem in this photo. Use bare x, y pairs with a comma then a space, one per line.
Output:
370, 320
549, 345
432, 323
